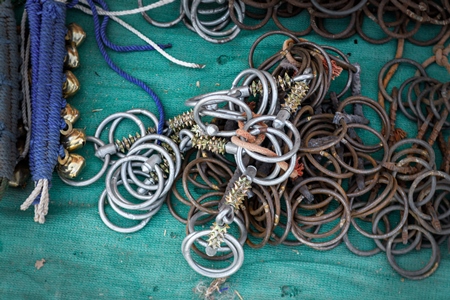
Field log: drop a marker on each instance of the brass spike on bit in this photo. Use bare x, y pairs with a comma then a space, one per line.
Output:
217, 235
182, 121
295, 97
237, 194
256, 88
285, 82
210, 143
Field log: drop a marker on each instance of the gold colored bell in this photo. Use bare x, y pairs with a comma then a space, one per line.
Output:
74, 140
71, 165
71, 86
70, 113
20, 175
75, 34
72, 59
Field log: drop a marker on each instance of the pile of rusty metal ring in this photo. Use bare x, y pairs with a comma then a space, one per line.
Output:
289, 158
398, 19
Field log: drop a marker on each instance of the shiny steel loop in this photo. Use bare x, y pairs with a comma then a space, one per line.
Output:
148, 212
171, 166
100, 173
137, 111
216, 100
276, 170
156, 137
120, 116
222, 36
232, 243
242, 230
113, 176
191, 102
162, 24
113, 117
293, 145
249, 76
186, 140
110, 225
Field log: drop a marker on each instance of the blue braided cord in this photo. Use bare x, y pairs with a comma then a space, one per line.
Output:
122, 73
62, 124
34, 9
118, 48
39, 105
63, 101
72, 4
46, 106
56, 12
61, 151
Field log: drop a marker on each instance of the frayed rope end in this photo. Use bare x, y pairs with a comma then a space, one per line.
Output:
40, 209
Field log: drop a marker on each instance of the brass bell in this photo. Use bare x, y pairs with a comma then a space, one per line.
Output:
75, 34
72, 59
70, 113
74, 140
20, 175
71, 165
71, 85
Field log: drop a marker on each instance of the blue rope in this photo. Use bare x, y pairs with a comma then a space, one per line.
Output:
72, 3
118, 48
57, 12
39, 105
108, 43
34, 9
138, 82
47, 28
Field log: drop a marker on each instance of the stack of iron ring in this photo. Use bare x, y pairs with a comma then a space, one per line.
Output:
151, 164
286, 160
300, 78
209, 18
403, 12
424, 101
333, 155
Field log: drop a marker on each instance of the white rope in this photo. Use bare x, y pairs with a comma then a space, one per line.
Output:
143, 37
133, 11
41, 210
34, 194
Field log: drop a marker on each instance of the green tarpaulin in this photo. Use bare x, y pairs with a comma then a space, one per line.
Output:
86, 260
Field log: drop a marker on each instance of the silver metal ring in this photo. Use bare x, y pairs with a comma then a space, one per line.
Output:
97, 176
117, 197
110, 225
202, 242
232, 243
215, 99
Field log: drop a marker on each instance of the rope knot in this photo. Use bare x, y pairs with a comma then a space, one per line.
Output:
437, 47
